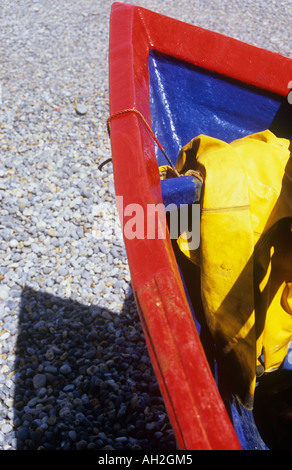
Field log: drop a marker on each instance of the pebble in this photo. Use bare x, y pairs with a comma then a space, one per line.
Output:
6, 428
13, 243
72, 435
74, 367
81, 109
81, 445
4, 292
39, 381
65, 369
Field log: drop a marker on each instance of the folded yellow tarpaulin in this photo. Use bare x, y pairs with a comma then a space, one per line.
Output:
245, 253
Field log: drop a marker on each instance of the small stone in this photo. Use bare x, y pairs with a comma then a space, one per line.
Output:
81, 109
28, 211
108, 447
121, 439
81, 445
73, 436
4, 292
85, 193
47, 270
50, 354
91, 370
39, 381
6, 235
65, 369
52, 420
52, 232
69, 388
62, 271
4, 335
42, 392
122, 411
91, 446
134, 401
41, 224
33, 402
23, 434
65, 411
102, 436
150, 426
51, 369
6, 428
13, 243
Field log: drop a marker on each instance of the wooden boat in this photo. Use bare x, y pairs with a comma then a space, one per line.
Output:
168, 80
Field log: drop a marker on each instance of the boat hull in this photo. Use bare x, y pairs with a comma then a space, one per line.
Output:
196, 409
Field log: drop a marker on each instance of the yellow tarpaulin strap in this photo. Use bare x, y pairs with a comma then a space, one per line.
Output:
245, 254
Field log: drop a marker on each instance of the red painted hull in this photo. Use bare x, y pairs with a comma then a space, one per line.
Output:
194, 405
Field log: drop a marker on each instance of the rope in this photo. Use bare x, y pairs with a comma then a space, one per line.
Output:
133, 110
104, 163
196, 173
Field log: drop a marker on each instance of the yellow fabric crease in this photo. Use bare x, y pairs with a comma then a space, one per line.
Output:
245, 254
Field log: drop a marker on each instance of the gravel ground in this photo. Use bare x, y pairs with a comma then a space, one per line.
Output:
74, 368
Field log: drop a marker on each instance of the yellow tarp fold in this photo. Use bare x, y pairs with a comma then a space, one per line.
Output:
245, 254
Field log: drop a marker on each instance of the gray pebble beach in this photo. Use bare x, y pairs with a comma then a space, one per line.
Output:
75, 373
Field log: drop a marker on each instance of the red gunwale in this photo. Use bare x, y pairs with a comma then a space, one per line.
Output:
195, 408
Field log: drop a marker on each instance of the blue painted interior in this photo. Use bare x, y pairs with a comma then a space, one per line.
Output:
187, 101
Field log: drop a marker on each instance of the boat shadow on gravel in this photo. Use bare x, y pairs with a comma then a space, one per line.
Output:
84, 380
